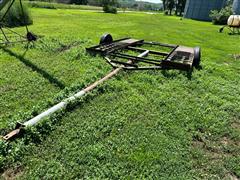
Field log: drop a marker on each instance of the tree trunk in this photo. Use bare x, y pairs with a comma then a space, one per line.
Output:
164, 5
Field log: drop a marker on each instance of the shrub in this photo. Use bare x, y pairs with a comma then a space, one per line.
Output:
45, 5
110, 9
221, 17
15, 17
110, 6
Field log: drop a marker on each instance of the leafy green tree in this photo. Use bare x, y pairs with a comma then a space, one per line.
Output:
80, 2
180, 6
170, 5
110, 6
95, 2
221, 17
164, 4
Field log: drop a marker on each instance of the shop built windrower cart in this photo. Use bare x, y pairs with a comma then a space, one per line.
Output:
123, 53
129, 54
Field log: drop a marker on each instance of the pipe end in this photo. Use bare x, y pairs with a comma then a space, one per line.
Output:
14, 133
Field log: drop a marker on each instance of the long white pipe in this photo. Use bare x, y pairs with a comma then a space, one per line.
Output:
53, 109
62, 105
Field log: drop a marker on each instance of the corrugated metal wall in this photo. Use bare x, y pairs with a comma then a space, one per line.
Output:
236, 7
200, 9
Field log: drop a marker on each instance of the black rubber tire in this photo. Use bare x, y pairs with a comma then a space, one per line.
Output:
197, 57
31, 37
106, 39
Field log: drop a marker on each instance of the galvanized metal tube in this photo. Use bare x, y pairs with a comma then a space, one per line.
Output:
46, 113
53, 109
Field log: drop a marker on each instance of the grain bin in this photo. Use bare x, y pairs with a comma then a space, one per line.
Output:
234, 21
236, 7
200, 9
233, 24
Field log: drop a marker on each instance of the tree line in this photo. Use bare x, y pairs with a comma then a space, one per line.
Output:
176, 6
124, 4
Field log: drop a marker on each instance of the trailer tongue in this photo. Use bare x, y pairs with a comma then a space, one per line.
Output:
118, 56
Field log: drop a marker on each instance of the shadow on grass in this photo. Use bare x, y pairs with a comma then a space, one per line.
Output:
34, 67
171, 75
188, 73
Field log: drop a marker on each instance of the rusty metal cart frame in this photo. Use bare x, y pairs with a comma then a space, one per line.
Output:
179, 57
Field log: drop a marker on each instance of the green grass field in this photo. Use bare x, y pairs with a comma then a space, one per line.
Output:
143, 125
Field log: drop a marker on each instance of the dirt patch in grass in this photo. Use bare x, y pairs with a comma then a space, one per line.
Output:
214, 155
11, 174
231, 176
236, 124
236, 56
213, 150
6, 88
65, 47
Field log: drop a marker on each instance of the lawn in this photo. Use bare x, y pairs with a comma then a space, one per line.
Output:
149, 124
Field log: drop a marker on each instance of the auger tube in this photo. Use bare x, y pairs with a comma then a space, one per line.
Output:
62, 105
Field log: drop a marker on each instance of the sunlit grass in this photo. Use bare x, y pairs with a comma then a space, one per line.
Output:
139, 124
